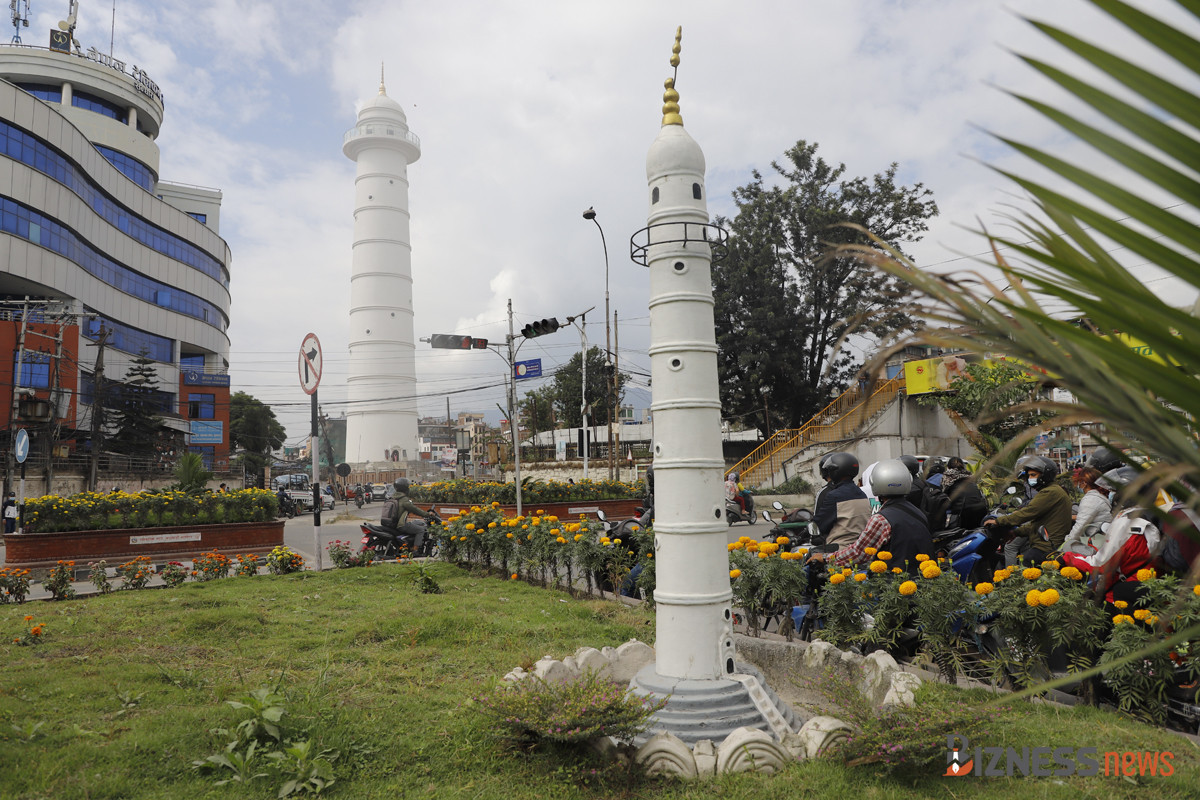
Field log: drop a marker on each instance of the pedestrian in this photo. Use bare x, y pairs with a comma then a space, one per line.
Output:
221, 488
10, 513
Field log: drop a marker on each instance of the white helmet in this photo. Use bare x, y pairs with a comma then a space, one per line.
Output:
891, 478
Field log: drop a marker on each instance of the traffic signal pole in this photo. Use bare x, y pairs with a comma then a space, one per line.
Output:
512, 405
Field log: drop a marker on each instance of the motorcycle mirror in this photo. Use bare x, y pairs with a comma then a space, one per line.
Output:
1012, 490
767, 516
603, 517
778, 506
1104, 526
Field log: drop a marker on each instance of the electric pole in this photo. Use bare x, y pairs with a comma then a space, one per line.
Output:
97, 405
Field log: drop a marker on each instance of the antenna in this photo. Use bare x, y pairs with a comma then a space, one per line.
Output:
68, 24
112, 36
20, 17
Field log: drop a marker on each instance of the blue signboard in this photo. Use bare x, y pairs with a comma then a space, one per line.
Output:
192, 377
207, 431
21, 446
528, 369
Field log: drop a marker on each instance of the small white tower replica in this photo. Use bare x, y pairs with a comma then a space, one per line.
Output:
709, 696
382, 415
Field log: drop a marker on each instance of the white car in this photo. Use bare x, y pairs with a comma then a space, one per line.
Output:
380, 491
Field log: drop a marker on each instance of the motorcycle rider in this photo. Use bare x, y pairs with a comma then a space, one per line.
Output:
842, 508
395, 515
898, 526
1046, 520
929, 498
733, 492
1095, 508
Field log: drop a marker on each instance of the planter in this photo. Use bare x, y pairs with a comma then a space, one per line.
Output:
33, 550
613, 509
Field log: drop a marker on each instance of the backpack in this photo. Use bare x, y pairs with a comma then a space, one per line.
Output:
1179, 545
936, 505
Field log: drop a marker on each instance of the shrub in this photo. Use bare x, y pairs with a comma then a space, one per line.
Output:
58, 582
99, 511
247, 565
769, 580
136, 573
99, 576
342, 555
210, 567
14, 585
532, 492
33, 635
534, 711
173, 574
283, 560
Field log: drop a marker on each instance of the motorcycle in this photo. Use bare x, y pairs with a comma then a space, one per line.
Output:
627, 531
287, 506
389, 543
976, 554
734, 512
798, 525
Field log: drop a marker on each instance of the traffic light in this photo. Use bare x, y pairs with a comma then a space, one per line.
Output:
479, 344
540, 328
450, 341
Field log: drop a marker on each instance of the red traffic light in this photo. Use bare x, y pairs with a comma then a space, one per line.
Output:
479, 344
452, 341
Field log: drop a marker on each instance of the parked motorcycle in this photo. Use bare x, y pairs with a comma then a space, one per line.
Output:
798, 525
389, 543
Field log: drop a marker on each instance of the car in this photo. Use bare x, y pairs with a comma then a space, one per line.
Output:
381, 491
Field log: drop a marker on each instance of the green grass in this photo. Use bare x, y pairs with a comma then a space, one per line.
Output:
369, 663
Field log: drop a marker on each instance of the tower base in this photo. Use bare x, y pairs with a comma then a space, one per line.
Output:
713, 709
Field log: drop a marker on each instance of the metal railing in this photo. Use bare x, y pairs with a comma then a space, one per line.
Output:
838, 421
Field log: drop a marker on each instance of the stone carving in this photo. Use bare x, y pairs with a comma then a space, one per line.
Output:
751, 750
666, 754
820, 734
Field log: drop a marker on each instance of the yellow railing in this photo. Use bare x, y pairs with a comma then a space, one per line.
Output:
836, 422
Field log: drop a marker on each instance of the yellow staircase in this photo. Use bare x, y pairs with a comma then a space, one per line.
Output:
838, 421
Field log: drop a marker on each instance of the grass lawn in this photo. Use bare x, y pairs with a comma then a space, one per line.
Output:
127, 687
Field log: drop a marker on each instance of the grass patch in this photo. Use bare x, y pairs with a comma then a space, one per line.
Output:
128, 685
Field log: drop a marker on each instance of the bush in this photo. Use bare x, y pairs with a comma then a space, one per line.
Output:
283, 560
793, 485
135, 574
103, 511
532, 491
173, 574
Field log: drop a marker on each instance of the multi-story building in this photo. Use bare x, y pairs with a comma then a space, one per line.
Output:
132, 262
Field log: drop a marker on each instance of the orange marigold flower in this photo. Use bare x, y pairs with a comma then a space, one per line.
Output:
870, 551
1033, 597
1031, 574
922, 557
735, 573
860, 576
837, 578
1146, 574
878, 567
1142, 614
984, 588
908, 587
884, 555
1049, 597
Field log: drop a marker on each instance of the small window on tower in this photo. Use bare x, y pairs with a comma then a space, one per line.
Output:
696, 191
654, 196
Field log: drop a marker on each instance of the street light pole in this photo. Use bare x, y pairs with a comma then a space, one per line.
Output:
610, 378
582, 317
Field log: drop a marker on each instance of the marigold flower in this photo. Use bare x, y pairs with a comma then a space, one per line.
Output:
1031, 573
28, 617
506, 536
491, 525
846, 571
731, 546
764, 555
803, 551
1142, 614
1152, 619
1072, 573
470, 526
860, 576
878, 567
1196, 590
36, 630
884, 555
931, 571
1051, 564
1146, 574
1000, 575
1049, 597
578, 536
922, 557
735, 573
982, 589
782, 540
837, 578
897, 570
1121, 604
1033, 598
1120, 619
908, 587
561, 540
513, 577
870, 551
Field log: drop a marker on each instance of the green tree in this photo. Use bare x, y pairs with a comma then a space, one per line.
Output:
785, 297
538, 409
139, 407
191, 474
254, 431
987, 399
567, 390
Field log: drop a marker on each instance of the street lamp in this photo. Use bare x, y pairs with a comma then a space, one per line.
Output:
608, 394
582, 317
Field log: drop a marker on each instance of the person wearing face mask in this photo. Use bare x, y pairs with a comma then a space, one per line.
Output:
1046, 520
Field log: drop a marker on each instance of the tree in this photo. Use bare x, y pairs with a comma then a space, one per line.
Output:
254, 430
139, 404
988, 399
567, 390
785, 297
538, 409
190, 474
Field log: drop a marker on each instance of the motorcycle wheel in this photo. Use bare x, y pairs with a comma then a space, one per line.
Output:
751, 518
730, 517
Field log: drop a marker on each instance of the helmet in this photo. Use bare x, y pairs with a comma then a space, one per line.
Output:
650, 477
1116, 479
934, 466
838, 466
1103, 459
400, 485
1047, 470
911, 463
891, 478
733, 476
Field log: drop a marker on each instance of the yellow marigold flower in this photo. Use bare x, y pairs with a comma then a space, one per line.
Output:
1033, 598
1142, 614
735, 573
535, 521
1050, 564
524, 527
878, 567
491, 525
870, 551
897, 570
782, 540
561, 540
1121, 604
731, 546
908, 587
1196, 590
605, 540
922, 557
745, 539
555, 531
884, 555
634, 528
1072, 573
470, 526
860, 576
578, 536
837, 578
1001, 574
1120, 619
846, 571
932, 571
802, 551
1049, 597
1152, 619
495, 504
540, 512
983, 588
1146, 574
507, 536
1031, 573
761, 554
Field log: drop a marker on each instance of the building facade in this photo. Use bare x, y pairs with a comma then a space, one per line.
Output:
101, 261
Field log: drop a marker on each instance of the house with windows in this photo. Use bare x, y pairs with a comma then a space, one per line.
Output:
102, 261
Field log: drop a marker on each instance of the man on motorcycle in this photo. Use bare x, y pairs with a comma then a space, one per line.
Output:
842, 508
1046, 520
898, 526
396, 511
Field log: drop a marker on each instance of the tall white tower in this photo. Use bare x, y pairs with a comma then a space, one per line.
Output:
382, 414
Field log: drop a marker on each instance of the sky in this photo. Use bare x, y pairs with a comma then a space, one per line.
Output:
530, 112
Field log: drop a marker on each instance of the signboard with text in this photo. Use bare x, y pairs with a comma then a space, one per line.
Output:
207, 431
528, 369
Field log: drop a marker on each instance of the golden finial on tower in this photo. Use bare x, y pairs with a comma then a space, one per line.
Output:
670, 96
382, 88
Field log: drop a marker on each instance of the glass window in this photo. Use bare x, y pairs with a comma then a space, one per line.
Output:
201, 406
43, 91
198, 217
207, 454
99, 105
128, 339
35, 369
192, 362
131, 168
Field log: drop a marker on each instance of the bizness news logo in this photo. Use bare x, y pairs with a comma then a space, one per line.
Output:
962, 761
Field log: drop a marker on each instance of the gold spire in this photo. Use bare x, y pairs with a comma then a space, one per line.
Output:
382, 88
670, 96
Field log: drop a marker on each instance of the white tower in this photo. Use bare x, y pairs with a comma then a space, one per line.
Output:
709, 695
382, 415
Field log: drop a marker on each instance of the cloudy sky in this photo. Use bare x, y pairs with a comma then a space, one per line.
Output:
530, 112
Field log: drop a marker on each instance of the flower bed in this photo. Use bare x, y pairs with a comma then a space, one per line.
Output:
92, 511
533, 492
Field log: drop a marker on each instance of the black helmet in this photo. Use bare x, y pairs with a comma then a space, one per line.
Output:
1047, 470
400, 485
650, 477
914, 466
839, 466
934, 466
1103, 459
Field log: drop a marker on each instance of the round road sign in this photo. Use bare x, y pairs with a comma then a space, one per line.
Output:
21, 445
310, 363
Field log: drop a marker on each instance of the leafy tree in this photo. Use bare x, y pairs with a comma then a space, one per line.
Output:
987, 399
785, 297
139, 404
567, 390
191, 474
538, 409
254, 430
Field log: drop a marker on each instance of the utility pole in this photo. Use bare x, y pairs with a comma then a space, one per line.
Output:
55, 391
614, 386
97, 405
14, 413
512, 390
